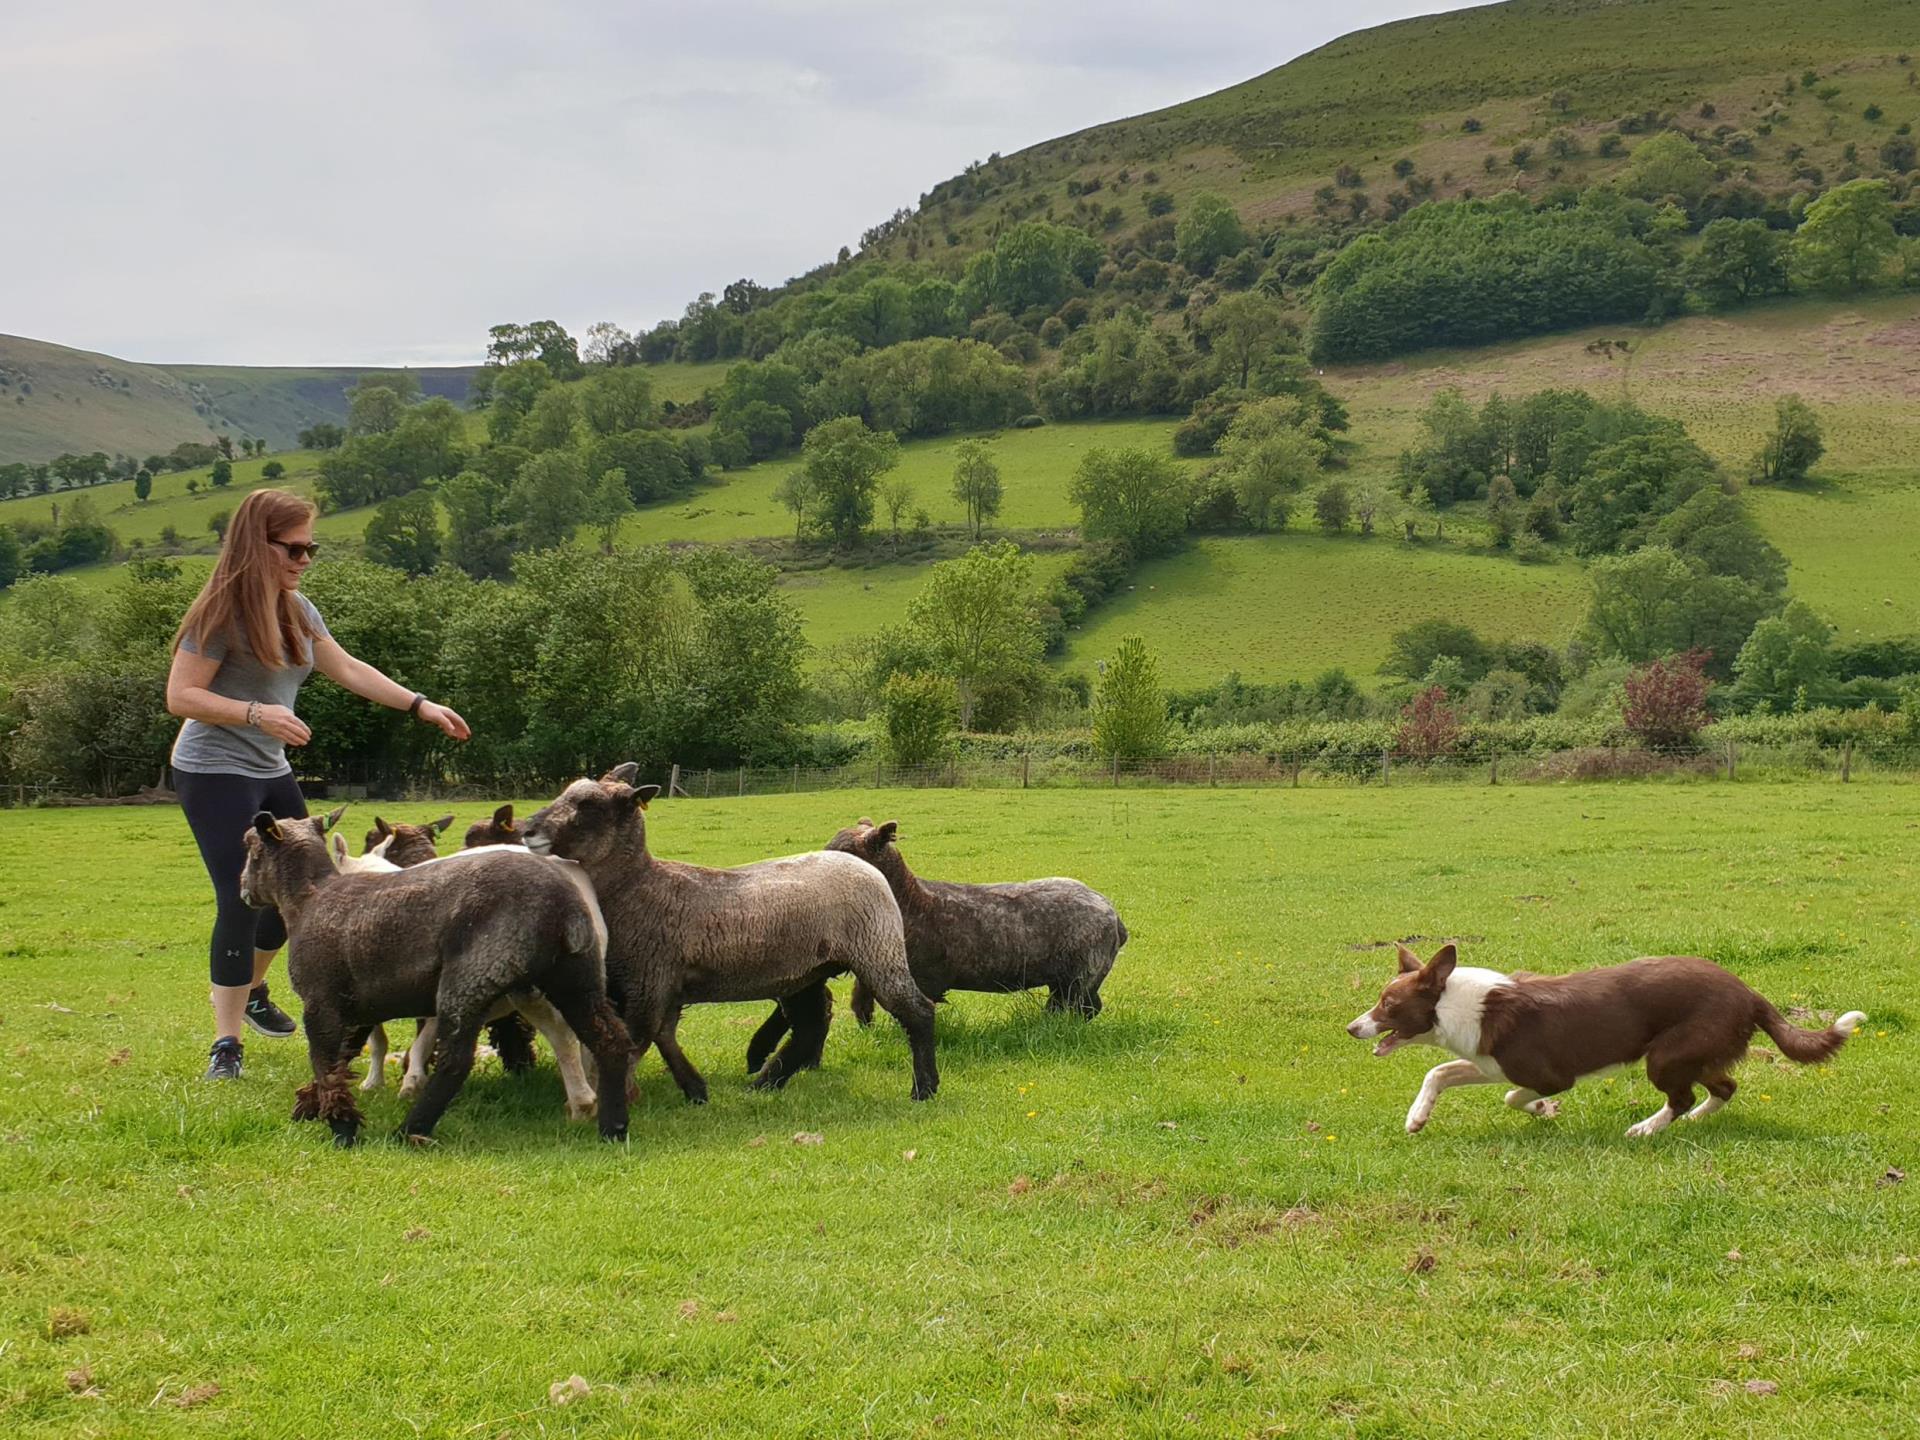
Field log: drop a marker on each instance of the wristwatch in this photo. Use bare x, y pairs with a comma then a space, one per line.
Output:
413, 710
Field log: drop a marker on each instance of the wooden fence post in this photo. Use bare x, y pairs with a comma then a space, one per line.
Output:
1386, 767
1730, 759
673, 781
1116, 769
743, 781
1026, 759
879, 769
1493, 769
1846, 762
709, 791
1210, 779
796, 779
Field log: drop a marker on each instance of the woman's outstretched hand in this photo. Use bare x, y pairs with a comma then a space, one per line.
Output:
281, 723
447, 719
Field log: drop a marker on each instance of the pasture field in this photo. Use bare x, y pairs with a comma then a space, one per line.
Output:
1287, 607
1196, 1216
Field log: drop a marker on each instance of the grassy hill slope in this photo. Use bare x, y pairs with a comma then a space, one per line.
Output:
1523, 70
54, 399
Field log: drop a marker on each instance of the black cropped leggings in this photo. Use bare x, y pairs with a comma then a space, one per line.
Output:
219, 809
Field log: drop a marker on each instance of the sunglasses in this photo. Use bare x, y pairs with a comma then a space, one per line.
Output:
296, 551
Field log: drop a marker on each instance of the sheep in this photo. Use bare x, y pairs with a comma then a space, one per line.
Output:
406, 844
512, 1022
1057, 933
497, 830
684, 934
451, 938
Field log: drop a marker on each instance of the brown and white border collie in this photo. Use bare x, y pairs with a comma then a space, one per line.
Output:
1686, 1017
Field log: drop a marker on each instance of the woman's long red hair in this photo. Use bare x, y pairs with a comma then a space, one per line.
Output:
243, 598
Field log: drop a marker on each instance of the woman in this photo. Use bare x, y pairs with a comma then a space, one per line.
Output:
246, 644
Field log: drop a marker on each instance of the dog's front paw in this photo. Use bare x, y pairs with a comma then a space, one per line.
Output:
1546, 1109
1417, 1121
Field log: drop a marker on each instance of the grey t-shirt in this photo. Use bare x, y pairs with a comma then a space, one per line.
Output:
242, 749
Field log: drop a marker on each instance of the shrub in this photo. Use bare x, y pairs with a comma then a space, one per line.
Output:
920, 715
1429, 727
1666, 701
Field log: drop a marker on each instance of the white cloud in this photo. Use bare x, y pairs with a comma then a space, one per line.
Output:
374, 182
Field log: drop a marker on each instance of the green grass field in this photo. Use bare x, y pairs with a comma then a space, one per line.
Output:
1198, 1215
1287, 607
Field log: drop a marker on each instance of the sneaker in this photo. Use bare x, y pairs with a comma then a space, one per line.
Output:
266, 1017
224, 1062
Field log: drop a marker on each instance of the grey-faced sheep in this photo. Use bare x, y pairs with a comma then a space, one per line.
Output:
1058, 933
451, 939
510, 1036
684, 934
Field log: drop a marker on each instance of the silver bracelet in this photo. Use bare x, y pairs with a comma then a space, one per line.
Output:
253, 712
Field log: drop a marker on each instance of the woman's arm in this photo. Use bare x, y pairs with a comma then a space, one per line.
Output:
190, 699
368, 683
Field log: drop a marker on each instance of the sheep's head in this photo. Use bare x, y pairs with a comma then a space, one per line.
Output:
498, 830
285, 857
406, 844
592, 819
875, 845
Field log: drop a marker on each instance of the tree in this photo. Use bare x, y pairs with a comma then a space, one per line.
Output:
1794, 445
1130, 709
514, 390
976, 483
1429, 726
617, 400
796, 493
920, 716
224, 444
1244, 329
12, 564
1666, 701
324, 436
404, 533
222, 474
845, 460
544, 340
548, 498
1786, 660
1208, 232
1668, 164
1134, 495
896, 494
479, 538
375, 405
975, 618
1738, 260
1847, 237
272, 470
1333, 507
605, 341
217, 523
1638, 603
143, 486
608, 506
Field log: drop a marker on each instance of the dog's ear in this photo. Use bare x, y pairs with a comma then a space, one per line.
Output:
1440, 966
267, 826
332, 818
888, 833
442, 823
645, 794
1409, 962
503, 817
622, 774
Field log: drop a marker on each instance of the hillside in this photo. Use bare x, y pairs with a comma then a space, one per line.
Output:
1522, 70
55, 400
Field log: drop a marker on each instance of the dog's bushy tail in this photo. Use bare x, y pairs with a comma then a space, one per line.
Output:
1807, 1047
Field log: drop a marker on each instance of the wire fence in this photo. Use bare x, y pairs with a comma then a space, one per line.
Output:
1731, 760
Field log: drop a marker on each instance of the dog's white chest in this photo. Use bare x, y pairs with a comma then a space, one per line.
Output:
1456, 1021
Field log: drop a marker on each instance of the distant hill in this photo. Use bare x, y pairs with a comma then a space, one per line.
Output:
55, 400
1443, 93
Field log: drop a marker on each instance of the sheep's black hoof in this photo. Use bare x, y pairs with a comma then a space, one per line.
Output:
345, 1136
615, 1137
926, 1092
697, 1097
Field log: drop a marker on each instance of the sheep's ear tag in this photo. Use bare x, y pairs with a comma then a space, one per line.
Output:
268, 827
644, 794
623, 774
442, 823
332, 818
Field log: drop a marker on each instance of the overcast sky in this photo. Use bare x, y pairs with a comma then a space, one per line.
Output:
282, 183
